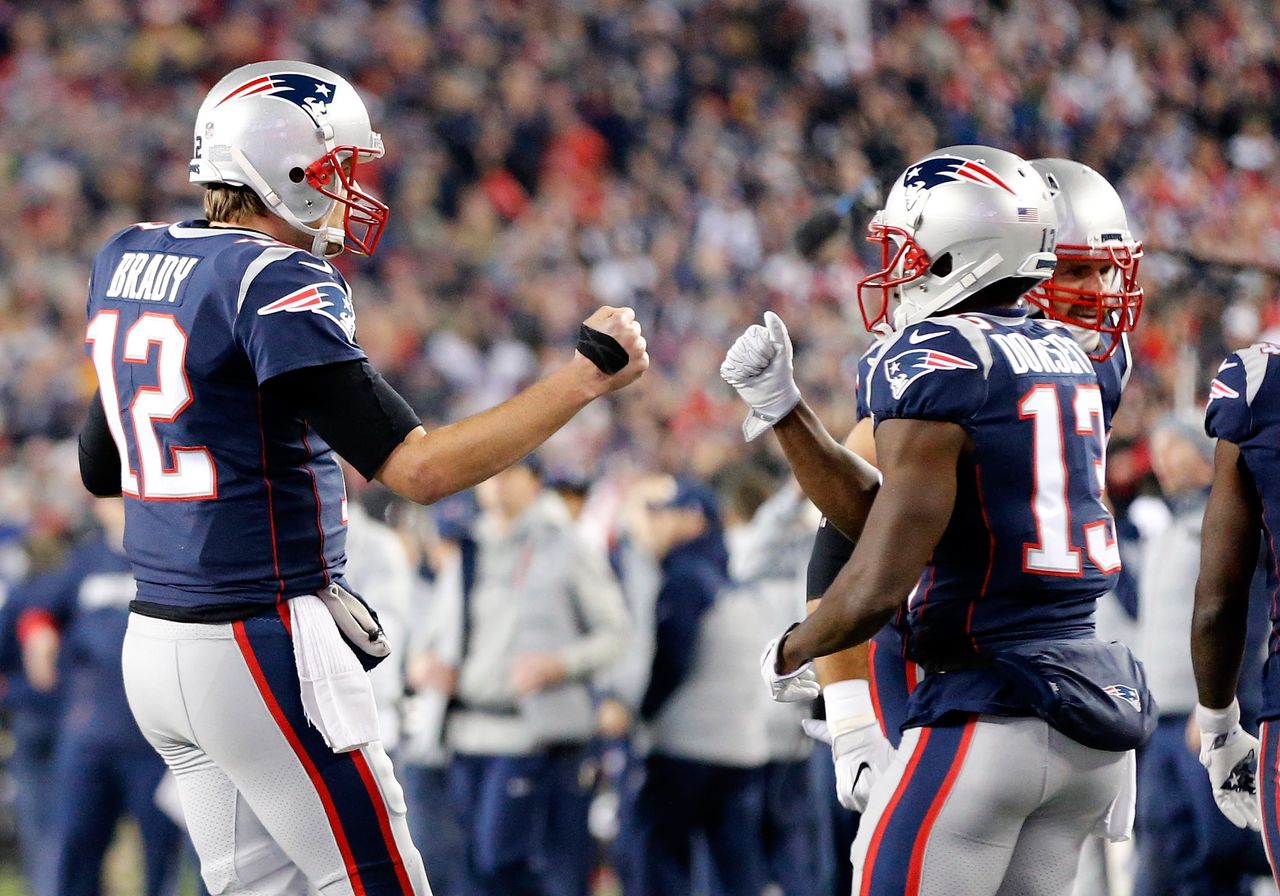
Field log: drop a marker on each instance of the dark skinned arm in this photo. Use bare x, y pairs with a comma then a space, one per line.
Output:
910, 513
841, 484
853, 663
1228, 552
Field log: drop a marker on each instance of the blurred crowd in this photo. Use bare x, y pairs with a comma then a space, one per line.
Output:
546, 157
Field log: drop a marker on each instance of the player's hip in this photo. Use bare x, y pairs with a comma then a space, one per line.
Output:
974, 787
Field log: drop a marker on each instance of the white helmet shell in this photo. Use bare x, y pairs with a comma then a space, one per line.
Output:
1092, 226
293, 133
956, 222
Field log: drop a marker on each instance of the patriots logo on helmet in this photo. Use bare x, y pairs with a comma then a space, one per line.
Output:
321, 299
307, 92
1127, 694
941, 170
904, 369
1219, 389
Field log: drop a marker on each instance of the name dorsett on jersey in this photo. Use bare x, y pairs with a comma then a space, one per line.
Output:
151, 277
1052, 354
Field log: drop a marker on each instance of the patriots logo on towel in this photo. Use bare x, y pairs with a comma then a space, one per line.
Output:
307, 92
322, 299
941, 170
1219, 389
904, 369
1127, 694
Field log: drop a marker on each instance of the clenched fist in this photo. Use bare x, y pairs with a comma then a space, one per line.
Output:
611, 340
758, 365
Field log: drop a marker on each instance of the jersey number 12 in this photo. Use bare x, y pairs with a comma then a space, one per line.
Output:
187, 473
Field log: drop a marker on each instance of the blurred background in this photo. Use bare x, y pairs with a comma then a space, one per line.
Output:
548, 156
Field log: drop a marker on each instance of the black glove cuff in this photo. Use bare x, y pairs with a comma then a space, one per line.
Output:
602, 350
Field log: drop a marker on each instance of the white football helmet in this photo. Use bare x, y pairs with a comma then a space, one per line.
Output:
1092, 226
958, 221
295, 134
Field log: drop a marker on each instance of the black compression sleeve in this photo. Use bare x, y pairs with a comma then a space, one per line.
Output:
99, 457
352, 407
831, 551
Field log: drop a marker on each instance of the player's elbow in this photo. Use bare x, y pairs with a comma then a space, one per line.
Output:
413, 471
1216, 610
419, 484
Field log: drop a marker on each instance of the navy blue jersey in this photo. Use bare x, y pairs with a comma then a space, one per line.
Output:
1113, 376
1244, 408
88, 596
1030, 545
230, 502
38, 710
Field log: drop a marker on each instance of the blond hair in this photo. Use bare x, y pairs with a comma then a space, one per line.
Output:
227, 204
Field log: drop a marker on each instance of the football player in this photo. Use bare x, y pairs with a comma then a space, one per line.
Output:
1243, 414
230, 377
1094, 291
989, 431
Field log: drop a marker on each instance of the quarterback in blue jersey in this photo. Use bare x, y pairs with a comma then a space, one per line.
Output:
1242, 516
989, 431
231, 379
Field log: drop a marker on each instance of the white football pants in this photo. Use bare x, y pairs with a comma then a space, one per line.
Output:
271, 809
993, 807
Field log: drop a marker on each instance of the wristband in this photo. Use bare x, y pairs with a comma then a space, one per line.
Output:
1218, 721
848, 705
602, 350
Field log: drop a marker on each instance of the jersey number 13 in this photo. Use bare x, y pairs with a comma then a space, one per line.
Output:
1053, 554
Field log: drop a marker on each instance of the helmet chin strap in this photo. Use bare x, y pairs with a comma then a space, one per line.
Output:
322, 238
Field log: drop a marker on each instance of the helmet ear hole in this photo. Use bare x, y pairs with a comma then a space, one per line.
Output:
296, 175
941, 267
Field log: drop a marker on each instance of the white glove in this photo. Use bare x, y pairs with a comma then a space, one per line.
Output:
794, 687
859, 749
1230, 755
759, 366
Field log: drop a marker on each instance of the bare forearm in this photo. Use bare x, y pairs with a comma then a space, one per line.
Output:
901, 533
841, 484
1231, 535
846, 617
911, 512
428, 466
1217, 647
852, 663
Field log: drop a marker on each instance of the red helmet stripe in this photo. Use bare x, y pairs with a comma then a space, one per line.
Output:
970, 169
262, 83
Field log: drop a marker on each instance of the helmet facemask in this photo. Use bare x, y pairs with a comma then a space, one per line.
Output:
902, 261
364, 216
1111, 311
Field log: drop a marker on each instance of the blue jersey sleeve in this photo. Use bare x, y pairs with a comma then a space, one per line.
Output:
935, 370
1227, 415
296, 312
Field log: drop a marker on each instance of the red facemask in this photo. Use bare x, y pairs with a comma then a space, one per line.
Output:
1108, 311
364, 216
914, 264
